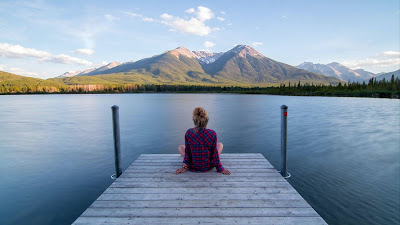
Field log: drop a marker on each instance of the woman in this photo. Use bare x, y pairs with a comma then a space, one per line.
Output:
201, 150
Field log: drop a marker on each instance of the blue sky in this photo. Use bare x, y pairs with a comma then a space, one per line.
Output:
47, 38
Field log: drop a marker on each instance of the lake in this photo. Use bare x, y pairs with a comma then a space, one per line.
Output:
57, 151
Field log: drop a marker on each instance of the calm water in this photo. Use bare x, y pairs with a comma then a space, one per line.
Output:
57, 150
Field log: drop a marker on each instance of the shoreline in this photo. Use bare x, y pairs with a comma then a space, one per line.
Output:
383, 95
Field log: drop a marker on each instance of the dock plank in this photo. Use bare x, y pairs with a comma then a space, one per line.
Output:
270, 203
148, 192
204, 220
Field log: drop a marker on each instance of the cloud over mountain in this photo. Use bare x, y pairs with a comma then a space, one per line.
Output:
195, 25
384, 59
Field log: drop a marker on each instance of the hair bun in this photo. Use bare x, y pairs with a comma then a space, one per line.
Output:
199, 111
200, 117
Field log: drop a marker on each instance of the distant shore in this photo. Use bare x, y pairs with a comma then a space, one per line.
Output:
378, 90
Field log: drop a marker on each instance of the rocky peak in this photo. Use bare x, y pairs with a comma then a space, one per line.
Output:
245, 50
182, 51
112, 65
69, 74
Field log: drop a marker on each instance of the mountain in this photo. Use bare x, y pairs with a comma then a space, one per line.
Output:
388, 76
244, 64
207, 57
240, 65
86, 71
366, 75
10, 83
99, 70
178, 65
92, 71
337, 70
69, 74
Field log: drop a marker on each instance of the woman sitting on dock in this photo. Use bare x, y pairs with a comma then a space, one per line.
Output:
201, 150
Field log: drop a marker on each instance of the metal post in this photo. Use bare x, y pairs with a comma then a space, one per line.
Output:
284, 172
117, 146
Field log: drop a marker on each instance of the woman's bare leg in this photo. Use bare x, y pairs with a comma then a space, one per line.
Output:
220, 147
181, 150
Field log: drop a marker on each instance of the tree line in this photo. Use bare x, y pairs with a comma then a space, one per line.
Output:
372, 88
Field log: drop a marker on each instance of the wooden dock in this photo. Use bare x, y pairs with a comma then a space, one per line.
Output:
149, 192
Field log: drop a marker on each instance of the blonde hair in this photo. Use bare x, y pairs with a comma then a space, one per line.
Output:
200, 117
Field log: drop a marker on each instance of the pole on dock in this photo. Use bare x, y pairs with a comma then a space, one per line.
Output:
284, 172
117, 145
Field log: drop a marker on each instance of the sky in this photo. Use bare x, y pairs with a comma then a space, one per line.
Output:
44, 39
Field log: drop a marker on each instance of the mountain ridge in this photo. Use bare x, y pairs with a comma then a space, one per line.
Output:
337, 70
241, 64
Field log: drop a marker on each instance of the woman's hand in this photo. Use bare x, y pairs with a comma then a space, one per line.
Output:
180, 170
225, 172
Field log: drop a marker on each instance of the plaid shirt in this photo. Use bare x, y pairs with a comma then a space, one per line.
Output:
201, 152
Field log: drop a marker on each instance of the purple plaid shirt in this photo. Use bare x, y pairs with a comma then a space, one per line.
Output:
201, 152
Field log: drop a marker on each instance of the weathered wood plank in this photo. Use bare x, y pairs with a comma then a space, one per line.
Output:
145, 170
268, 203
203, 190
226, 155
200, 179
224, 160
200, 220
179, 165
224, 163
199, 212
140, 174
200, 184
189, 197
149, 193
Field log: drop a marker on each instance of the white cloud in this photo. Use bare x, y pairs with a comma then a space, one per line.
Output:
131, 14
17, 51
148, 19
222, 12
356, 64
209, 44
110, 17
134, 15
284, 17
229, 24
384, 59
204, 13
166, 16
255, 44
18, 71
391, 54
194, 25
220, 18
66, 59
83, 51
191, 10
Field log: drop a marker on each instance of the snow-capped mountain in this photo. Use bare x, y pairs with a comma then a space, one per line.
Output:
337, 70
207, 57
241, 64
